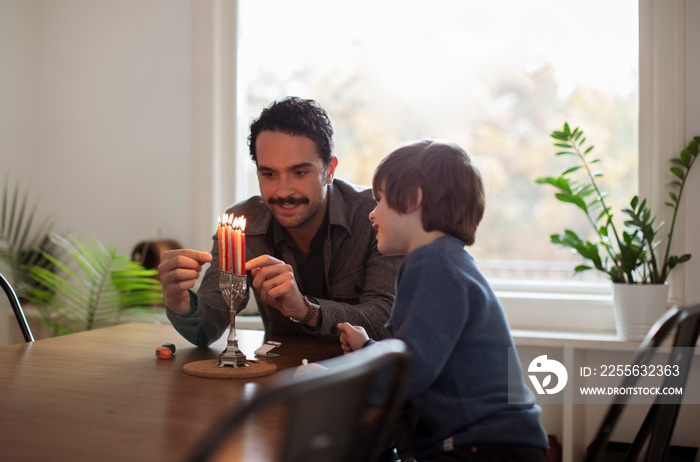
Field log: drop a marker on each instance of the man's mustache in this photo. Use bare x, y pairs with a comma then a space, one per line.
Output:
289, 200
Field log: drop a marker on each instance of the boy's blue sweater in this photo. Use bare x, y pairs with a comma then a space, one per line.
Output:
459, 341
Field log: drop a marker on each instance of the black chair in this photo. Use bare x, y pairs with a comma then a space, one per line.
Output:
657, 428
326, 412
17, 308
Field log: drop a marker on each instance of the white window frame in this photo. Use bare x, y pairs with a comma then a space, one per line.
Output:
218, 124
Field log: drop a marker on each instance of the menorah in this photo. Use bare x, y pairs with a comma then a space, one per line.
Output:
233, 288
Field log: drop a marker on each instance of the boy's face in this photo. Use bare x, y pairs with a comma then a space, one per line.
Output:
293, 179
394, 230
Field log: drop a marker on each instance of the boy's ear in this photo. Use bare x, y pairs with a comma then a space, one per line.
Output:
415, 205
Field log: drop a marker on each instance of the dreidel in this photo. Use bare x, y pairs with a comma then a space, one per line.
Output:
165, 351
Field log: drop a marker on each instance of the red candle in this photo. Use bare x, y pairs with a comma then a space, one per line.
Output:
243, 249
219, 238
229, 244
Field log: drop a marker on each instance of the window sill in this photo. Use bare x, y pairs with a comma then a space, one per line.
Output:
576, 340
557, 307
559, 313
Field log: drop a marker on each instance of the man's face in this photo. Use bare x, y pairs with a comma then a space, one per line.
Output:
293, 179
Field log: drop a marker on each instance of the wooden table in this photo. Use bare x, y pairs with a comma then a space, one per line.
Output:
102, 395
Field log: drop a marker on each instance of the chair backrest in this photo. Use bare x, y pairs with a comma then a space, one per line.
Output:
17, 308
657, 428
326, 418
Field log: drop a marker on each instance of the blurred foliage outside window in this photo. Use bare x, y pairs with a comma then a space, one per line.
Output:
496, 77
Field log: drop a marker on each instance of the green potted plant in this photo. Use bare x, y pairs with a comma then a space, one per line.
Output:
91, 286
628, 255
74, 284
21, 237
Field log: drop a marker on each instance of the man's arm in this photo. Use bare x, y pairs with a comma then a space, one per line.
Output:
362, 287
376, 297
208, 314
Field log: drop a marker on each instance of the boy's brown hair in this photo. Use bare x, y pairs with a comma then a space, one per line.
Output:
453, 192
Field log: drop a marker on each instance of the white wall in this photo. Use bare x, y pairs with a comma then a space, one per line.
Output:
95, 115
17, 86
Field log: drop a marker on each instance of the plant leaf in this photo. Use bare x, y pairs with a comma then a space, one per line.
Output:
685, 158
571, 169
561, 136
678, 172
580, 203
20, 237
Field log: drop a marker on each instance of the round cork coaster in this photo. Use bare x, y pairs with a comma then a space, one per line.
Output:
210, 368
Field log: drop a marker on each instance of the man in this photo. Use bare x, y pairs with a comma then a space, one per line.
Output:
313, 259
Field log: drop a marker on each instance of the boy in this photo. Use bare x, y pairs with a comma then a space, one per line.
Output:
430, 200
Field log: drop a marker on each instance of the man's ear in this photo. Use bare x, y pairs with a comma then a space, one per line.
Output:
416, 204
330, 170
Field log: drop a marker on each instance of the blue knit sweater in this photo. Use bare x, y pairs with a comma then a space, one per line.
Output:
459, 341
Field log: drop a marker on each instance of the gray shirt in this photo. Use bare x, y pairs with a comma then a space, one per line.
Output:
359, 279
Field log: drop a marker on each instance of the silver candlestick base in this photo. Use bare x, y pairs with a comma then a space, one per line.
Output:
233, 288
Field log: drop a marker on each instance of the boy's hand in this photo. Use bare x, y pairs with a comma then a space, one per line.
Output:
352, 337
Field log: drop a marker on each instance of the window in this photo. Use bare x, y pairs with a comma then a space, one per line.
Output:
220, 54
496, 77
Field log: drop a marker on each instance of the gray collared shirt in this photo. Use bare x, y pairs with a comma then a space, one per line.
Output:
359, 280
311, 280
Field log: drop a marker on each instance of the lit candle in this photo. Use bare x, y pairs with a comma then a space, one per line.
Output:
242, 254
219, 238
229, 243
231, 236
237, 241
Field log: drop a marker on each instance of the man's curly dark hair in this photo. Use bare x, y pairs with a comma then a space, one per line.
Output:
298, 117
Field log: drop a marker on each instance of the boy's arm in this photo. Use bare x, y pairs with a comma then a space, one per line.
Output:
431, 317
352, 338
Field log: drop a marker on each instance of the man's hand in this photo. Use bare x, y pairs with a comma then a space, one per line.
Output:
178, 270
352, 338
274, 281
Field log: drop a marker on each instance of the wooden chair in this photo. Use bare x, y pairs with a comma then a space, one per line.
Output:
326, 416
17, 308
657, 428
